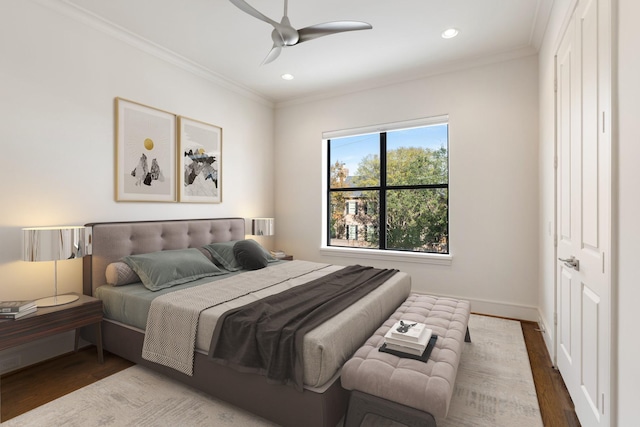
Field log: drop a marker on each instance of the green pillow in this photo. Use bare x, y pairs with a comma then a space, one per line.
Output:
224, 257
159, 270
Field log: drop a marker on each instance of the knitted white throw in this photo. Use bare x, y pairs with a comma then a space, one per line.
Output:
172, 322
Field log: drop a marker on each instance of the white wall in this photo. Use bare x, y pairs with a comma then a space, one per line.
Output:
58, 81
628, 212
493, 113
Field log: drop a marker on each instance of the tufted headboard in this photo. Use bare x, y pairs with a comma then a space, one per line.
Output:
111, 241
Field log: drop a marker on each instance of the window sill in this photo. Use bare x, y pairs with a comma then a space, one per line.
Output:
420, 258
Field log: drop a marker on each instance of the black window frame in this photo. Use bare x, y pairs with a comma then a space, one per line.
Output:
382, 189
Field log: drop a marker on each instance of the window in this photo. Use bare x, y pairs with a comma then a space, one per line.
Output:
393, 185
352, 232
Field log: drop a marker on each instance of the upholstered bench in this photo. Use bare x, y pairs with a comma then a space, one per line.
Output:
409, 391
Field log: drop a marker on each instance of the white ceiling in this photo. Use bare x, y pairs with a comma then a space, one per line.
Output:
217, 38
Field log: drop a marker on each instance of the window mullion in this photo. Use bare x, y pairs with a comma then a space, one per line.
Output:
328, 207
382, 214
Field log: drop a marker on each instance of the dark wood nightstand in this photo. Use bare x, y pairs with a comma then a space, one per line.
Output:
47, 321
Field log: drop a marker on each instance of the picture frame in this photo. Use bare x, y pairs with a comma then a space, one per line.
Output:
145, 153
199, 161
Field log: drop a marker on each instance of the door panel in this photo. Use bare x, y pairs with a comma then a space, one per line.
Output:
564, 136
590, 345
565, 319
567, 129
589, 123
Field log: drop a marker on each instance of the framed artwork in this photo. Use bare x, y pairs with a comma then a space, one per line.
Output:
145, 153
199, 161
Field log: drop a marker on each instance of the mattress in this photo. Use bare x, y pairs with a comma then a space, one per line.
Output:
325, 348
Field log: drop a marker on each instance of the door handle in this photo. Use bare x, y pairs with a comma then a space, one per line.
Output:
571, 262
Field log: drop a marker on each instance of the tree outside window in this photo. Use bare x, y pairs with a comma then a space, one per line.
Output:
394, 186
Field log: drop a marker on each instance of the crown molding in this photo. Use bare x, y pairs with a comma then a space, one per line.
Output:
85, 17
378, 83
540, 22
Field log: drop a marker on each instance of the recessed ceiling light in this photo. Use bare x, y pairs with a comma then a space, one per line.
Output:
449, 33
287, 76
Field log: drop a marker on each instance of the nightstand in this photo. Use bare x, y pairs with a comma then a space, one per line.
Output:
47, 321
287, 258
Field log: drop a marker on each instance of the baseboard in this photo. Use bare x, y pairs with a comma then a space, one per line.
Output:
498, 308
548, 336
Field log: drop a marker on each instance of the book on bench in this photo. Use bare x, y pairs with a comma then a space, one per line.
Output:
406, 330
408, 338
411, 335
423, 357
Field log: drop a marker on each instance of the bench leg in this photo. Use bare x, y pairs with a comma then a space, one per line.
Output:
361, 404
467, 336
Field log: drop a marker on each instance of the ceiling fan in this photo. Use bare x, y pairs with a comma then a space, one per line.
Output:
284, 34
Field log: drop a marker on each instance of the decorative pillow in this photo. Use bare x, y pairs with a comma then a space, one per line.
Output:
267, 254
159, 270
206, 253
118, 274
223, 256
250, 255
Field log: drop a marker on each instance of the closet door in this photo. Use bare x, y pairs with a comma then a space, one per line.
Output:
583, 205
567, 115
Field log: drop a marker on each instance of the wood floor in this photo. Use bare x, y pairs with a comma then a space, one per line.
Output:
31, 387
28, 388
555, 403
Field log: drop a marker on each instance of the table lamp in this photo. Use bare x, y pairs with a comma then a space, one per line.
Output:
262, 226
53, 244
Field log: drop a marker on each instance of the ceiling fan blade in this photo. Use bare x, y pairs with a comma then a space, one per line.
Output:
245, 7
328, 28
273, 54
286, 33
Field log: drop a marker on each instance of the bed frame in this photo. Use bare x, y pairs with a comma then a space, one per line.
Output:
278, 403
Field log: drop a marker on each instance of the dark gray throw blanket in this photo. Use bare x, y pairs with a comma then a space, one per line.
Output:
266, 336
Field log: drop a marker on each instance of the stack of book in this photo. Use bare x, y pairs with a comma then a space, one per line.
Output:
408, 337
16, 309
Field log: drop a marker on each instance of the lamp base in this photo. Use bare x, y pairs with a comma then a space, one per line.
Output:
56, 300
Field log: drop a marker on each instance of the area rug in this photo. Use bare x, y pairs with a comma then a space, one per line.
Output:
494, 385
494, 388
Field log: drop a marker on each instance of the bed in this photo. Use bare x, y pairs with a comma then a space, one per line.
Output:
321, 402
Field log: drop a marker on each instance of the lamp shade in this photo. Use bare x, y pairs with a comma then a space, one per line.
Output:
262, 226
54, 243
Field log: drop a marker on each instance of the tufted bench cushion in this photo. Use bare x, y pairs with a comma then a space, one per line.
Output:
423, 386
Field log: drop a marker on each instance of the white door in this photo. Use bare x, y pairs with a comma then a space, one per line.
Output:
583, 331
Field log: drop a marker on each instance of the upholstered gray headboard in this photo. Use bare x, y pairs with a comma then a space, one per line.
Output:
111, 241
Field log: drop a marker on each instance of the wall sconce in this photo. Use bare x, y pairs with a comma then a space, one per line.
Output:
53, 244
262, 226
